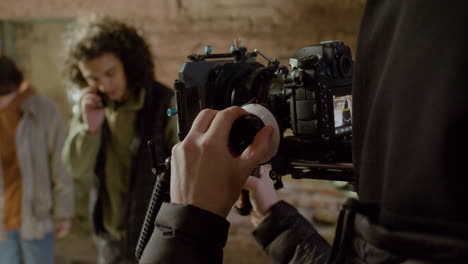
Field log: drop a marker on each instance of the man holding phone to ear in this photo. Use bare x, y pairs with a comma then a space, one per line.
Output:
120, 109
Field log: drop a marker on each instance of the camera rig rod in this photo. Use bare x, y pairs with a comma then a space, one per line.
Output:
201, 57
312, 170
274, 62
311, 164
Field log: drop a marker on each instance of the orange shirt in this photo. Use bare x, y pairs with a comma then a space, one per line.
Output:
10, 116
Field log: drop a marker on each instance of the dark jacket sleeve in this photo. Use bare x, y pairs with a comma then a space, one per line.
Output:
186, 234
289, 238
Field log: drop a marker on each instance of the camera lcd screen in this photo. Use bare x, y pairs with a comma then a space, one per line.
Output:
343, 113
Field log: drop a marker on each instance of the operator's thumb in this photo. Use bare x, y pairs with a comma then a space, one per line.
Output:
252, 183
258, 150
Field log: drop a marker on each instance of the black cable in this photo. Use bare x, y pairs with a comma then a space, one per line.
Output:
160, 194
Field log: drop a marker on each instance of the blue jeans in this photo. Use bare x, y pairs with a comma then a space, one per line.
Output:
15, 250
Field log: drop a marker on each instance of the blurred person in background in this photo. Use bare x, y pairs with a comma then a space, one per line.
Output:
36, 192
121, 107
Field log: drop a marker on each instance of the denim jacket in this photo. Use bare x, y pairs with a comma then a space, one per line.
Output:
47, 189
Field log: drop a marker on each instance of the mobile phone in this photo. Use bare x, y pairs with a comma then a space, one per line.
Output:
103, 98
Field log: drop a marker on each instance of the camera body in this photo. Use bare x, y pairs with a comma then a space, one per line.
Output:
320, 77
311, 103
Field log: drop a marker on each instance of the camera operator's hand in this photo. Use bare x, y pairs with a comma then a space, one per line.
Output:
92, 110
204, 171
262, 195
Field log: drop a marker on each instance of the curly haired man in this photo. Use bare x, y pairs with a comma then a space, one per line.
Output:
121, 107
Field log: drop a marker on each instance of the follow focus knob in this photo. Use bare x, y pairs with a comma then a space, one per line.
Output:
245, 128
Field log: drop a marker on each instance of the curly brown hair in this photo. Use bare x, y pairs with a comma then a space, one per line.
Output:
93, 36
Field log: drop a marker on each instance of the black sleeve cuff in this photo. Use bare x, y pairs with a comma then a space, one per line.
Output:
280, 219
288, 237
193, 222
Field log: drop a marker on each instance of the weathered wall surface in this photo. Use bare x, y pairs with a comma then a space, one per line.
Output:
177, 28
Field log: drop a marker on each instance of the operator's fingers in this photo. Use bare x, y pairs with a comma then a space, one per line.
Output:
264, 171
203, 120
240, 202
252, 183
222, 123
259, 148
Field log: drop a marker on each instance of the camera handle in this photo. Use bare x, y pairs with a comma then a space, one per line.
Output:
160, 194
247, 205
242, 134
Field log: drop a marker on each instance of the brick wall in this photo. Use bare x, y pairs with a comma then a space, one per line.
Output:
177, 28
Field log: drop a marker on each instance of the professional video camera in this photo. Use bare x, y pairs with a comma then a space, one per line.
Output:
311, 103
310, 107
